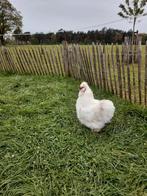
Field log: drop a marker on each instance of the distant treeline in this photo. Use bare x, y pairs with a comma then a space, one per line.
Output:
98, 36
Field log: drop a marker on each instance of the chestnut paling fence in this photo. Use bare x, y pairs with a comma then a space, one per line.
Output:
121, 70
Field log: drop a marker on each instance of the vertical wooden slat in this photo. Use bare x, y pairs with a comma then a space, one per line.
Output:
90, 64
95, 64
84, 66
123, 70
62, 55
21, 60
29, 61
78, 61
24, 60
36, 60
16, 60
50, 62
32, 65
70, 65
139, 74
99, 65
81, 62
108, 70
5, 59
133, 71
145, 83
65, 58
102, 60
8, 60
113, 67
60, 61
33, 61
42, 57
44, 48
75, 71
36, 52
87, 65
105, 68
128, 75
47, 61
110, 75
75, 61
119, 71
53, 62
28, 68
2, 62
16, 52
41, 60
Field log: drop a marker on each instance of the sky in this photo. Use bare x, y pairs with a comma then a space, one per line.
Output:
77, 15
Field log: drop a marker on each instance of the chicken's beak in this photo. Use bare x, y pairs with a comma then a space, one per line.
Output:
81, 87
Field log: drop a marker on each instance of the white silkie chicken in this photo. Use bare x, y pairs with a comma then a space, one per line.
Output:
91, 112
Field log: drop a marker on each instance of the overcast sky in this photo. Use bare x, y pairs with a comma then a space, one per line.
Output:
52, 15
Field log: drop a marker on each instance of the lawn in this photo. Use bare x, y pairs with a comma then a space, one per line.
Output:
45, 151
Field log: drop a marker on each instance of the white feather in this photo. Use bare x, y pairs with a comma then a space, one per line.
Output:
91, 112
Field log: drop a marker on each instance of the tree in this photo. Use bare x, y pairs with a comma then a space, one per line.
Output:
17, 34
132, 9
10, 18
26, 37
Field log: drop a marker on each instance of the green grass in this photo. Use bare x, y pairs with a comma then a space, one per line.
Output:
45, 151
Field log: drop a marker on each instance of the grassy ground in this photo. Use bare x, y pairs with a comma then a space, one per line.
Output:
45, 151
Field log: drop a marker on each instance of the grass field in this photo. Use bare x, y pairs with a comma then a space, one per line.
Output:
45, 151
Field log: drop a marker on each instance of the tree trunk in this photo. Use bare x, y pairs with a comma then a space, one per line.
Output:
133, 33
131, 55
2, 41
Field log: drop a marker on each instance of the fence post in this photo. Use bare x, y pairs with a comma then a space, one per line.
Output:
65, 58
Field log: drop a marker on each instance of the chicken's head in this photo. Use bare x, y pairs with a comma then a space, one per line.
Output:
84, 89
83, 86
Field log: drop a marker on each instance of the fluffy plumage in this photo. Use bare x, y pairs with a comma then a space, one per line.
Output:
91, 112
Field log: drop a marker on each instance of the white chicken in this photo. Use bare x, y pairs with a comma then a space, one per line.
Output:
91, 112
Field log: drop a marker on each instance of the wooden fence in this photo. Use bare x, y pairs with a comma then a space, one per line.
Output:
107, 67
